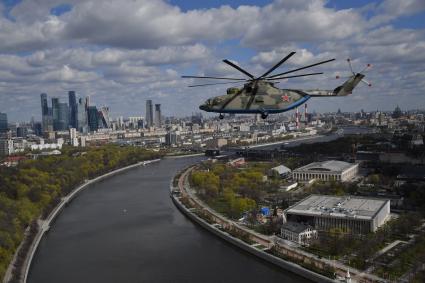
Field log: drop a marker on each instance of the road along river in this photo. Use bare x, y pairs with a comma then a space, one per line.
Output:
126, 229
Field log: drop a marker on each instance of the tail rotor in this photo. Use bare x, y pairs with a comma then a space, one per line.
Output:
351, 67
365, 69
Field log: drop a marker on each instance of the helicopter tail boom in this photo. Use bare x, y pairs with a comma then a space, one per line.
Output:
342, 90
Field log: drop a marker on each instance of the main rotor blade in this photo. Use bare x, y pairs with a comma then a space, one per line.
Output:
213, 84
216, 78
238, 68
278, 64
302, 68
295, 76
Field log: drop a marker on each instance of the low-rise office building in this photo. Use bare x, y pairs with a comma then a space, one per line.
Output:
355, 215
327, 171
298, 232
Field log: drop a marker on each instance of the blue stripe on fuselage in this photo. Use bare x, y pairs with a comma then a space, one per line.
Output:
263, 110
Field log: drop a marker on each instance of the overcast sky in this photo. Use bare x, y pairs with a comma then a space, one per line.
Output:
124, 52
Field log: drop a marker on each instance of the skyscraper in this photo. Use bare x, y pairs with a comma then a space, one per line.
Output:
46, 114
55, 113
3, 122
63, 117
38, 129
21, 132
149, 113
44, 105
73, 108
93, 118
82, 116
158, 115
104, 117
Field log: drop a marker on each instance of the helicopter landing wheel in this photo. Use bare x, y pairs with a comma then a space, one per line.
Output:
221, 116
264, 115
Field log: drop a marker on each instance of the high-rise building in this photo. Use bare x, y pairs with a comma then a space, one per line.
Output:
140, 124
158, 115
73, 136
82, 116
73, 108
44, 105
55, 113
6, 147
149, 113
46, 114
63, 117
135, 122
38, 129
93, 118
3, 122
120, 122
21, 132
170, 138
104, 117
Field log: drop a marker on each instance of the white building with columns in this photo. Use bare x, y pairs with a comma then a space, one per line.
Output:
326, 171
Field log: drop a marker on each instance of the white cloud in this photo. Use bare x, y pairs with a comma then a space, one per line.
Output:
391, 9
122, 52
152, 24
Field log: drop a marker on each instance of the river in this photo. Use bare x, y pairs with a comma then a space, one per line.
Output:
126, 229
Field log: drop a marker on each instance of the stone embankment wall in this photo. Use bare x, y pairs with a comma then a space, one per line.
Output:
195, 209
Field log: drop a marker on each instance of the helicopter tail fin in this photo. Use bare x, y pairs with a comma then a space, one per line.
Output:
347, 88
352, 81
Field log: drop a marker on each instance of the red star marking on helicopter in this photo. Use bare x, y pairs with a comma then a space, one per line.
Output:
286, 97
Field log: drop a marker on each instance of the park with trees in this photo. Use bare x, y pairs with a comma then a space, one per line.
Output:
230, 190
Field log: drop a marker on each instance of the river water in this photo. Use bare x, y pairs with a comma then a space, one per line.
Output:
126, 229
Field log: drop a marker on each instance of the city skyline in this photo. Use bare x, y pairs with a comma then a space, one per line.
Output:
52, 47
272, 140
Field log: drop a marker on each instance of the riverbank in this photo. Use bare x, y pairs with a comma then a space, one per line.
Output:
289, 257
257, 248
44, 225
184, 155
295, 139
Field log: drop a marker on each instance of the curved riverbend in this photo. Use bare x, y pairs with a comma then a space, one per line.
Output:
44, 225
126, 229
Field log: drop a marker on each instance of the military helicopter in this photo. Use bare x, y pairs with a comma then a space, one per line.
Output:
259, 95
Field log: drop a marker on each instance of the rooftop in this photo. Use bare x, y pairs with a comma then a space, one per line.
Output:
338, 206
331, 165
295, 227
281, 169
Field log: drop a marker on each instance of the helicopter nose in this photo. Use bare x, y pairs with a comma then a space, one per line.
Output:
205, 106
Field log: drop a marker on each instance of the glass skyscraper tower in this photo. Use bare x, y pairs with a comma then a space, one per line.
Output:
149, 113
46, 114
3, 123
158, 115
73, 109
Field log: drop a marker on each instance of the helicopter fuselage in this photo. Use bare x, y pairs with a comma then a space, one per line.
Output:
260, 97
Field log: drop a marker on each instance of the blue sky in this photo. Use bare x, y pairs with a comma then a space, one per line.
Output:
124, 52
